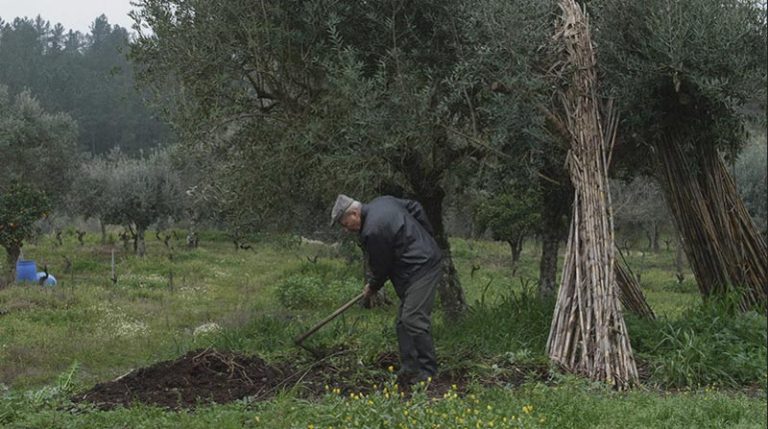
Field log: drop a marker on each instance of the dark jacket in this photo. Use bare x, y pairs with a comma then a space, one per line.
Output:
399, 242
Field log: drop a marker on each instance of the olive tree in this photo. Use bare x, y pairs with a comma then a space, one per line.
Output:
513, 59
306, 98
20, 207
237, 83
682, 73
38, 150
133, 192
639, 203
511, 217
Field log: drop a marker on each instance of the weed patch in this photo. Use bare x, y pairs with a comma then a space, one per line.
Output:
710, 344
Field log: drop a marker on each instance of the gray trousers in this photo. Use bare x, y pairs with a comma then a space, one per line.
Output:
414, 325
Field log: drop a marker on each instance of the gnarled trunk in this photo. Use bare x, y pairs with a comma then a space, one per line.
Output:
516, 248
652, 230
141, 246
555, 210
450, 291
11, 256
550, 243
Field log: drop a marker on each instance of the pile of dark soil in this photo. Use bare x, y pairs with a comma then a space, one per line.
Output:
200, 376
204, 376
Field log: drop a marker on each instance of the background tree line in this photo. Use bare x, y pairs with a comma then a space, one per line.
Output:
85, 75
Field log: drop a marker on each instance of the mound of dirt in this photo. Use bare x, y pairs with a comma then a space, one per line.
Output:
200, 376
205, 376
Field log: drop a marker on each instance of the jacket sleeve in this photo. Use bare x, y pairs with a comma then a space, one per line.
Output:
380, 258
417, 211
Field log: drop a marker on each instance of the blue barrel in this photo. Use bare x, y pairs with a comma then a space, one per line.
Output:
26, 271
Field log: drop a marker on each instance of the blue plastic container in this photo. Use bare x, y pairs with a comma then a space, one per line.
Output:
50, 281
26, 271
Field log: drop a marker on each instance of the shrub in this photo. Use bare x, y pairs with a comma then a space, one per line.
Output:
317, 284
300, 291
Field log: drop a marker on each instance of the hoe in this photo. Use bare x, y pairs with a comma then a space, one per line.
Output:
300, 339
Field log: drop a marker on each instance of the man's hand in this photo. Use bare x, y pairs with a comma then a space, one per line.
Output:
368, 291
368, 294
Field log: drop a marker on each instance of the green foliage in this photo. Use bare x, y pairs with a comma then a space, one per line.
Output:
118, 329
571, 404
385, 407
509, 215
20, 207
244, 124
300, 291
751, 169
317, 285
124, 191
37, 148
526, 316
710, 344
681, 69
85, 75
14, 405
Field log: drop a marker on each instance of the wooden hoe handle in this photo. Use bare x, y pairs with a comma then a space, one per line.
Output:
300, 339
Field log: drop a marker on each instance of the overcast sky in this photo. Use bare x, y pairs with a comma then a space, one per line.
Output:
72, 14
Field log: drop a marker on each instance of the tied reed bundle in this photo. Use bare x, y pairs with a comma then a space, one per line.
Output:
726, 252
588, 334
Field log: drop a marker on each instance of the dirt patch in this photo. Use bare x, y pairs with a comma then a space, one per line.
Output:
205, 376
200, 376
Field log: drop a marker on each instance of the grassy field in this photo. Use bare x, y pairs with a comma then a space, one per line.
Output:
705, 365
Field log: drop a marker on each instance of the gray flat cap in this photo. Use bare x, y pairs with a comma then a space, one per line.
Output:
342, 204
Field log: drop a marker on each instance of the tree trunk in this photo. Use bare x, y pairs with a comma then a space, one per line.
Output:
679, 261
652, 233
450, 291
550, 243
141, 245
11, 256
723, 246
135, 237
556, 200
516, 248
103, 232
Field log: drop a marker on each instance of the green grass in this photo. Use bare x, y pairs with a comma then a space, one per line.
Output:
569, 404
707, 364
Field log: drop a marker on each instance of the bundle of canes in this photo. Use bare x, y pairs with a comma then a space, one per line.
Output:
588, 335
630, 294
726, 251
